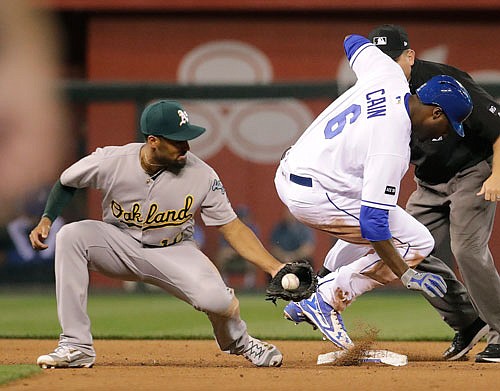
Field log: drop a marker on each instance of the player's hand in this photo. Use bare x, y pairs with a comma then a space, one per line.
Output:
40, 233
432, 284
490, 189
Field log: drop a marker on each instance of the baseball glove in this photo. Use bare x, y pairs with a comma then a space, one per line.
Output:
307, 286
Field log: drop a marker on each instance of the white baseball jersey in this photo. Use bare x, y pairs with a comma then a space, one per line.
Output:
157, 210
358, 147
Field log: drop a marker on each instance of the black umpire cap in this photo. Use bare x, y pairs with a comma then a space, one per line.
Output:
391, 39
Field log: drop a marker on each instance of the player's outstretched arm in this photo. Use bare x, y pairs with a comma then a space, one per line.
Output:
390, 256
245, 243
432, 284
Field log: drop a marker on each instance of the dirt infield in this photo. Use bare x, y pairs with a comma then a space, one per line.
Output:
199, 365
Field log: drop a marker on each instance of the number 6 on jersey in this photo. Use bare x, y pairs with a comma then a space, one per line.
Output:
335, 126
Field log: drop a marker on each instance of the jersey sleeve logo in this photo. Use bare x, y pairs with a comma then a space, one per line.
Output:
217, 185
390, 190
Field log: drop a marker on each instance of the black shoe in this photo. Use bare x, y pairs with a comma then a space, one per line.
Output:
465, 340
490, 354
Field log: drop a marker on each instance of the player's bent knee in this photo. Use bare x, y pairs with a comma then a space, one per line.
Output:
75, 230
425, 243
222, 303
75, 236
68, 232
429, 246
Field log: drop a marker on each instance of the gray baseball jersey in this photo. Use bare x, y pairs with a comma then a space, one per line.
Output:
146, 235
158, 210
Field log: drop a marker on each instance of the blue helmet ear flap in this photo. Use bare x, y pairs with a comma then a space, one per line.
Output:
446, 92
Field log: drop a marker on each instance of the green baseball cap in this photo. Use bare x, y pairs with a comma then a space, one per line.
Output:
168, 119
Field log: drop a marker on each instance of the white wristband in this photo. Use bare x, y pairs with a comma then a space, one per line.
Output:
407, 275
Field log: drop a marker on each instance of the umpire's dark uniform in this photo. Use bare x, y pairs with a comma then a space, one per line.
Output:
449, 173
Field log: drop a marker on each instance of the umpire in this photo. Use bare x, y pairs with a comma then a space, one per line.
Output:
458, 184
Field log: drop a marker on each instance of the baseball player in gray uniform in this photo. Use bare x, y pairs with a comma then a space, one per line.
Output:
151, 192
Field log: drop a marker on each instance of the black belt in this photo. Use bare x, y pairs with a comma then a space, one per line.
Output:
144, 245
301, 180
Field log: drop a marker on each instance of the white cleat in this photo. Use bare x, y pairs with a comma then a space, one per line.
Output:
65, 357
262, 354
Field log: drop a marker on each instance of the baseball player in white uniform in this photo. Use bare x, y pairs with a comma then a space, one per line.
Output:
343, 176
151, 192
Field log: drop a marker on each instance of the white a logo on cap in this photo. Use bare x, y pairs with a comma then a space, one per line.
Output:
183, 115
380, 41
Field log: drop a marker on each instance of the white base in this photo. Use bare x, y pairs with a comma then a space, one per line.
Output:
369, 356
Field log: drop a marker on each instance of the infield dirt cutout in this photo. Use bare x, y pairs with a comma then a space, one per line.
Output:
199, 365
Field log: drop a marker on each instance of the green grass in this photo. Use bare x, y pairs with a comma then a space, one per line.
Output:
13, 372
405, 316
398, 315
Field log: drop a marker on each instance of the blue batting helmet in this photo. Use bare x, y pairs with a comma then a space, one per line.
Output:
446, 92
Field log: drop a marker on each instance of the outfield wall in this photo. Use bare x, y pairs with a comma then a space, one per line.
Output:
199, 42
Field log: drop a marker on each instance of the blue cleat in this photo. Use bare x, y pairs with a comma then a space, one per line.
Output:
323, 316
293, 312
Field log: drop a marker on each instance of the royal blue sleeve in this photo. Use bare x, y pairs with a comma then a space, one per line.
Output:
374, 224
352, 43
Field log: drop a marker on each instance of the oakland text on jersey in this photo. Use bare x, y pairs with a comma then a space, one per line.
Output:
376, 103
154, 217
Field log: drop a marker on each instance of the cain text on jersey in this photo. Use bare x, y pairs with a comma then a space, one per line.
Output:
376, 104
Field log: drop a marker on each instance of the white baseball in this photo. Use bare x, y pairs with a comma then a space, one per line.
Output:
290, 282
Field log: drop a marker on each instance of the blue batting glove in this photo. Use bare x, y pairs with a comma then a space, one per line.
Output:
432, 284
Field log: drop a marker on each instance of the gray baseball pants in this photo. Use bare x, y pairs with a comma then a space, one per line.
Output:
182, 270
461, 223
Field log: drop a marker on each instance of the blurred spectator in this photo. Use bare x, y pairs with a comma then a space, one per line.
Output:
31, 109
291, 240
21, 263
235, 271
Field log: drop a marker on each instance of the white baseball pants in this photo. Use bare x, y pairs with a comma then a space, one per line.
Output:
356, 267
